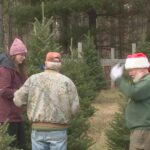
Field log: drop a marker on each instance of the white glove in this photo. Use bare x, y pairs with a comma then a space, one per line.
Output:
116, 72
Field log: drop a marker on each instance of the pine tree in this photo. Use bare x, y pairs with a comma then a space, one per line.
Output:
118, 133
144, 47
41, 41
92, 59
5, 138
87, 74
77, 70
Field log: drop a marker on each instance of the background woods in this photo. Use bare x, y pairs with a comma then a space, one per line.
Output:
112, 23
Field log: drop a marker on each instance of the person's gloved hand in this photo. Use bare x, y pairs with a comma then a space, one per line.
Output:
116, 72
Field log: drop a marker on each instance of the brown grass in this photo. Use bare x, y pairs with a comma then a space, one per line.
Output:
106, 105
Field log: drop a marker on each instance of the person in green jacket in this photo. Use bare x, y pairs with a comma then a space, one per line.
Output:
137, 113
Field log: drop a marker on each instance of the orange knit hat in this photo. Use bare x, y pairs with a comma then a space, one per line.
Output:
53, 57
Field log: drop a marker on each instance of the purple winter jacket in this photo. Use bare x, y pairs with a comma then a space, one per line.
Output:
10, 81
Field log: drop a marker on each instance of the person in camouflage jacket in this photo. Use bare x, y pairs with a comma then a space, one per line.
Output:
52, 101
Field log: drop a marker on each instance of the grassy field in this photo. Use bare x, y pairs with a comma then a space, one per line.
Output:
106, 105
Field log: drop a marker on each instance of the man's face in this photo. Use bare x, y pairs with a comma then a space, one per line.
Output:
136, 74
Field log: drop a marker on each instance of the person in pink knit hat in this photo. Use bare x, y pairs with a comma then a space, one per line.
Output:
52, 102
12, 76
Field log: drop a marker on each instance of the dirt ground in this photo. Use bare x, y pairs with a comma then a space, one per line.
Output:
106, 105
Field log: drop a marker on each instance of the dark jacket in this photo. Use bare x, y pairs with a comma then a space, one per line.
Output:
10, 81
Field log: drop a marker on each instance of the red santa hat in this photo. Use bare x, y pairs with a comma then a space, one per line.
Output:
137, 60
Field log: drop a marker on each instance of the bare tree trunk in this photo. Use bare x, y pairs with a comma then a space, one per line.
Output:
92, 25
148, 30
1, 26
121, 29
10, 35
64, 32
92, 19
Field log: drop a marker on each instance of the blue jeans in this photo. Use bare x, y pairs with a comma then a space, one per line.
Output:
49, 140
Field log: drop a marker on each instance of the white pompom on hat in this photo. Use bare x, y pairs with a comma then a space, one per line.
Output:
137, 60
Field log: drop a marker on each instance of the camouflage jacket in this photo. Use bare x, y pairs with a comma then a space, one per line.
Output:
50, 97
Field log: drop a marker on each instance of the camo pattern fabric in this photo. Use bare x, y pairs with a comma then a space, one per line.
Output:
49, 96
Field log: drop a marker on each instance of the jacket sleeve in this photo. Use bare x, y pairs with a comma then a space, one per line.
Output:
21, 95
137, 92
6, 90
74, 99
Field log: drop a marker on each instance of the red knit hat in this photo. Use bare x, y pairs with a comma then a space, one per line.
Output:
17, 47
53, 57
137, 60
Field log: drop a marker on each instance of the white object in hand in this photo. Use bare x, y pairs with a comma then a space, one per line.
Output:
116, 72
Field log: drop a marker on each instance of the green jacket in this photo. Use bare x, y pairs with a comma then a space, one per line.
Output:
138, 108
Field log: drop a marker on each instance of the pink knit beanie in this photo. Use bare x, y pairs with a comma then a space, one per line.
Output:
17, 47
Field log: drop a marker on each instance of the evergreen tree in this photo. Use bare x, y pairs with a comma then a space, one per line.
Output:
65, 10
5, 138
41, 41
77, 70
144, 47
118, 133
87, 74
27, 128
92, 59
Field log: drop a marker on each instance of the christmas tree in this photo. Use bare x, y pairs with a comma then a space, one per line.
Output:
118, 133
5, 139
